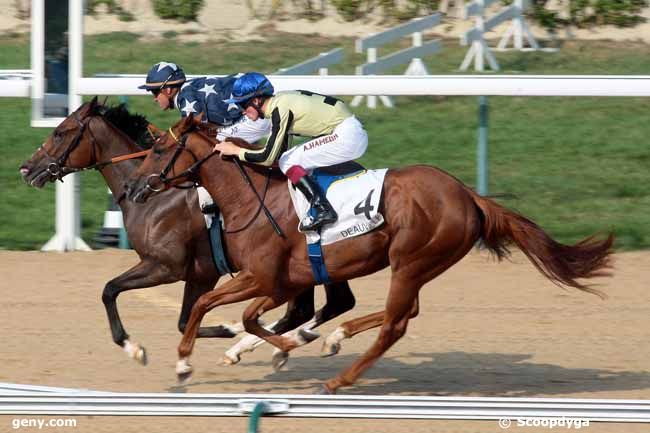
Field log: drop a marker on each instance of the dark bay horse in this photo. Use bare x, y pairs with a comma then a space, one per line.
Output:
431, 221
168, 233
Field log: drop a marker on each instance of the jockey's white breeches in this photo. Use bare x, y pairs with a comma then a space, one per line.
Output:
347, 142
251, 131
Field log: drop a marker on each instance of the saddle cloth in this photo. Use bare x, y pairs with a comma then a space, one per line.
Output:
354, 195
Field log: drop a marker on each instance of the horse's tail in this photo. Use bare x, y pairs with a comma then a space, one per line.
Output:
562, 264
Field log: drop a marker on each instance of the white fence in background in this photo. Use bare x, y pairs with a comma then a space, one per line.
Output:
412, 55
318, 63
479, 50
518, 29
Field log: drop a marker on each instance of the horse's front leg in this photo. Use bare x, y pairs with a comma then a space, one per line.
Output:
144, 274
193, 291
241, 288
340, 299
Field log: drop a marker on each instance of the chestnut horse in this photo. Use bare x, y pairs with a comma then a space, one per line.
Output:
431, 221
168, 233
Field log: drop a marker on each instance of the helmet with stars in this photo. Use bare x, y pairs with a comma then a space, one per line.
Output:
164, 74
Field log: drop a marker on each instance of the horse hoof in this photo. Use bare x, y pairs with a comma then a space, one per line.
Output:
141, 356
308, 335
230, 360
330, 349
184, 378
323, 390
135, 351
280, 359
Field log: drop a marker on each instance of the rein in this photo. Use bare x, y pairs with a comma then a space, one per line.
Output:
192, 175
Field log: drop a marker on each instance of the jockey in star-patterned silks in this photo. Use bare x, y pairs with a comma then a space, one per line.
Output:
170, 89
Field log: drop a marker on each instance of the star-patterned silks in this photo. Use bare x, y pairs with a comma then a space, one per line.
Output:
208, 89
232, 105
195, 97
163, 65
188, 108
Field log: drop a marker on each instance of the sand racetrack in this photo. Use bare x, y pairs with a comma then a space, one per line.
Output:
484, 328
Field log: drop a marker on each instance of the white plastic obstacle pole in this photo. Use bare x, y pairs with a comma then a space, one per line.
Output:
68, 221
318, 63
479, 49
412, 55
518, 29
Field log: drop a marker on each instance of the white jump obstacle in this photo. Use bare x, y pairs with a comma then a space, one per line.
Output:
479, 50
319, 63
89, 403
518, 29
411, 55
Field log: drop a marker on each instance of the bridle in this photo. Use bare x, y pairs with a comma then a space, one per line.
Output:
192, 174
57, 167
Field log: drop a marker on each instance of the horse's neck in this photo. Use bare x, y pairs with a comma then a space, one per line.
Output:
111, 142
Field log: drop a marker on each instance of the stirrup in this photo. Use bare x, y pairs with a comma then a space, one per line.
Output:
310, 224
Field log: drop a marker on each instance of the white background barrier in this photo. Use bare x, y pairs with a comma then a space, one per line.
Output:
479, 50
318, 63
412, 55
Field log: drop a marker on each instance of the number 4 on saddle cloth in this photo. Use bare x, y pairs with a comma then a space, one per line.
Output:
355, 194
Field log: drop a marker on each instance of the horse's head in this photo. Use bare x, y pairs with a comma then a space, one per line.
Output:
172, 161
67, 149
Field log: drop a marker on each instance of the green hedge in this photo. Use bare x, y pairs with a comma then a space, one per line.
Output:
582, 13
182, 10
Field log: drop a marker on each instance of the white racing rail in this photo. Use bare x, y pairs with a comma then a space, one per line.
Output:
57, 401
450, 85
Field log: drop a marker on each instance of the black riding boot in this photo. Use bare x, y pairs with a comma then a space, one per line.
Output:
325, 214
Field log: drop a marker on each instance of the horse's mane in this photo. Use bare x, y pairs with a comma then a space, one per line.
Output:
134, 125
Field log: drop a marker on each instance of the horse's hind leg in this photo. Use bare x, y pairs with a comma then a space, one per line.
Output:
349, 329
339, 300
144, 274
299, 311
401, 297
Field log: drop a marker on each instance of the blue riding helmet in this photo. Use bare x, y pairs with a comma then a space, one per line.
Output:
249, 86
163, 74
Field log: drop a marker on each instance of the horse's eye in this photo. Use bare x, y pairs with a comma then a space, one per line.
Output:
157, 150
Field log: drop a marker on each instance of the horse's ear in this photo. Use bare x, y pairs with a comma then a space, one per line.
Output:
198, 118
93, 102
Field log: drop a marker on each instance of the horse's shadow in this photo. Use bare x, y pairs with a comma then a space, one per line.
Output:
450, 373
